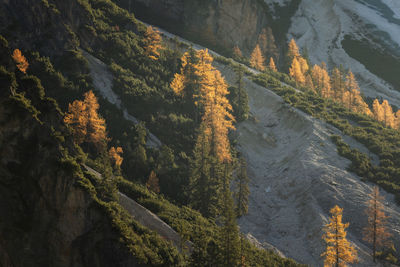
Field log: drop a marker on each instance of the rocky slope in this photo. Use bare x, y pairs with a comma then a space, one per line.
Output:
297, 176
358, 34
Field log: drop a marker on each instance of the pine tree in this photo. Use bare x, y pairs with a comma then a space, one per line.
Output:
296, 73
20, 60
152, 183
257, 59
229, 232
309, 83
271, 65
239, 97
339, 251
375, 233
153, 43
115, 156
242, 189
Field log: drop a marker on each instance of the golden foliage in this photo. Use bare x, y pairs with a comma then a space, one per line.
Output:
296, 73
115, 155
293, 51
153, 43
271, 64
77, 119
86, 123
217, 118
20, 60
237, 53
375, 233
152, 183
339, 251
257, 59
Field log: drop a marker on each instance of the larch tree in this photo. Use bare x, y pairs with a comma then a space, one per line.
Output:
303, 65
212, 148
337, 83
266, 42
257, 59
375, 233
153, 41
377, 111
96, 126
296, 73
237, 53
397, 120
115, 154
20, 60
326, 90
242, 189
338, 251
76, 118
292, 53
152, 183
388, 115
272, 65
86, 123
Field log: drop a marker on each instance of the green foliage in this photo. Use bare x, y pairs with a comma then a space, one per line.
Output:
382, 141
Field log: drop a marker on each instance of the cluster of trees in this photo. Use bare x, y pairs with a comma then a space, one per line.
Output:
339, 251
338, 86
152, 40
384, 113
213, 163
265, 49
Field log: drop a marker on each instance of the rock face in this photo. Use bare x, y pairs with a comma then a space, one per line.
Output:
48, 217
217, 24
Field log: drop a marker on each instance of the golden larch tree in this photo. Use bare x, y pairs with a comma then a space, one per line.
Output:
257, 59
337, 84
96, 126
153, 183
272, 65
87, 125
77, 119
296, 73
326, 90
293, 51
237, 53
20, 60
115, 154
375, 233
303, 65
153, 41
388, 115
397, 120
338, 251
377, 110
